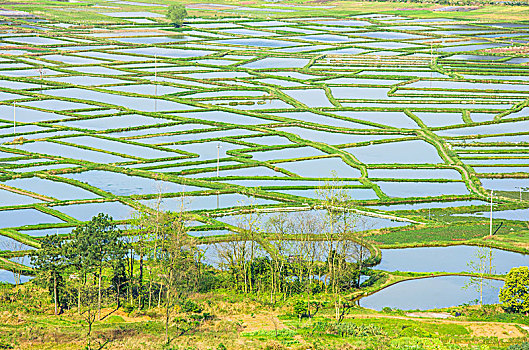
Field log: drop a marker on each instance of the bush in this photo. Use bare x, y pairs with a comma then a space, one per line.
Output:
408, 331
5, 345
522, 346
115, 319
348, 329
351, 329
300, 308
190, 306
128, 308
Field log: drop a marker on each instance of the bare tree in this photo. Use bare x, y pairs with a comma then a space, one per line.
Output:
14, 246
480, 264
339, 223
280, 227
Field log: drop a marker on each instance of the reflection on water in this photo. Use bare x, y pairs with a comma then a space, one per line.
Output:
430, 293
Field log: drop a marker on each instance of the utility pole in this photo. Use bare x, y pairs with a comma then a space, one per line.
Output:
491, 193
155, 83
218, 159
15, 119
218, 170
431, 63
40, 72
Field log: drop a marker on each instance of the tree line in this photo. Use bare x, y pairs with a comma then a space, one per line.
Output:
156, 263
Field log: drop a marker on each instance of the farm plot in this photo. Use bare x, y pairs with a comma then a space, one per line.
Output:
245, 113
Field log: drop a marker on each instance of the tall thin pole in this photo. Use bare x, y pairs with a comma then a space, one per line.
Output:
491, 193
490, 234
218, 159
218, 170
431, 63
155, 83
14, 118
40, 72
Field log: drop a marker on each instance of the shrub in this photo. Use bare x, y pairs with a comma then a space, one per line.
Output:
300, 308
348, 329
522, 346
190, 306
5, 345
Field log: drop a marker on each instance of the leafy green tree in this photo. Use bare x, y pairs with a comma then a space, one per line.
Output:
176, 14
515, 293
49, 263
95, 246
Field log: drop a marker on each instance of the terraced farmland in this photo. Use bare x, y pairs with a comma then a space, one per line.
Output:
412, 115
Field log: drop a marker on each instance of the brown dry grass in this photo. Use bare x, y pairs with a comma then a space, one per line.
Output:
496, 330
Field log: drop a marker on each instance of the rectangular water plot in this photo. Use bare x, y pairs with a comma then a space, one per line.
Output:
402, 152
56, 149
8, 198
49, 188
85, 211
115, 122
124, 185
135, 103
119, 147
415, 173
240, 172
25, 217
209, 202
422, 189
320, 168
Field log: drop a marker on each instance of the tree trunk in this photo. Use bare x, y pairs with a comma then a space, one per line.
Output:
118, 296
337, 307
140, 282
55, 291
481, 292
167, 318
150, 288
99, 293
131, 278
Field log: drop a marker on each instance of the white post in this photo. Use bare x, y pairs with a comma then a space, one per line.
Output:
14, 119
155, 84
40, 71
218, 170
218, 159
491, 192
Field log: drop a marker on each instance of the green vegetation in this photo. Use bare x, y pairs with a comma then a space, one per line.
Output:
209, 132
176, 14
515, 294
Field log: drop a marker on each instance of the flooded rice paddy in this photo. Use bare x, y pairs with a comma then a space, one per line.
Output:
408, 113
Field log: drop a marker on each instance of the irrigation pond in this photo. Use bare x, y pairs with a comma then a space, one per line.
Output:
420, 120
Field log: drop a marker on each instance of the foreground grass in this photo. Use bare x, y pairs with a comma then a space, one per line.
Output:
252, 322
